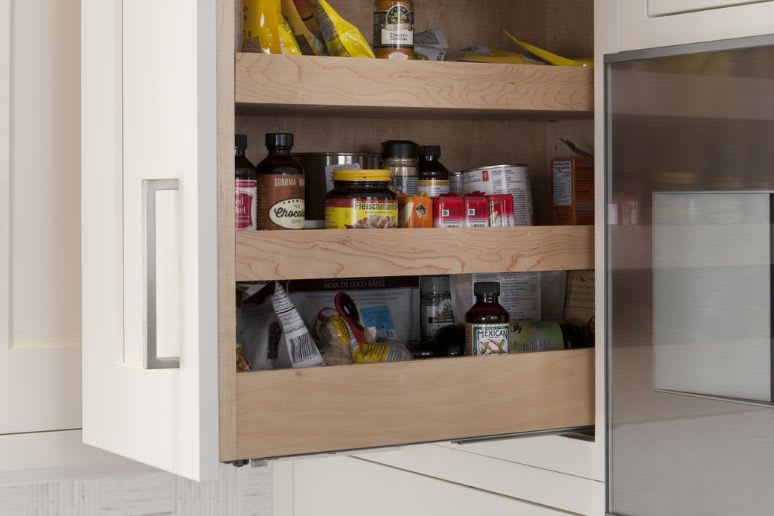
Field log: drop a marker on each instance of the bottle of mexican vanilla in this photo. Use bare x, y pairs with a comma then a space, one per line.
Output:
280, 186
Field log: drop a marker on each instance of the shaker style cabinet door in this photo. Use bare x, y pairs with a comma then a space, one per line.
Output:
40, 313
149, 232
659, 23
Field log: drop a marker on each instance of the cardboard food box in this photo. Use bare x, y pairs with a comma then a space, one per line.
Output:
573, 191
476, 211
415, 211
448, 211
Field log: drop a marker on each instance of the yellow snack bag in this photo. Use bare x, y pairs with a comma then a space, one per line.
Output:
549, 56
377, 352
341, 37
265, 30
309, 43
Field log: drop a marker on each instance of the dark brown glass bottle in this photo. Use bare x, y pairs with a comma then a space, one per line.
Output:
280, 186
245, 201
433, 176
487, 330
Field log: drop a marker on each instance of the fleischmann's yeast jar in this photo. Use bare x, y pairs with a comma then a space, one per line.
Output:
361, 199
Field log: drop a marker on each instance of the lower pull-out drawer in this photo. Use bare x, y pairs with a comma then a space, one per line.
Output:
302, 411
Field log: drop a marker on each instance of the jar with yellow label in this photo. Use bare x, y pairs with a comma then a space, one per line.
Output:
361, 199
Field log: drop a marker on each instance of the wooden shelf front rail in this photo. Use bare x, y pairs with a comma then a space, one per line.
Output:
352, 253
301, 411
268, 83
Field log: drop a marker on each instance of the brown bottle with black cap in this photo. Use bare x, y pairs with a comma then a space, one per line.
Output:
280, 186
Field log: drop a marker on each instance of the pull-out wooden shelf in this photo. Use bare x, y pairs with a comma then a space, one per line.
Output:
301, 411
307, 84
333, 253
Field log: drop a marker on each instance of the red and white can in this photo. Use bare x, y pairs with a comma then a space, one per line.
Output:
500, 210
503, 179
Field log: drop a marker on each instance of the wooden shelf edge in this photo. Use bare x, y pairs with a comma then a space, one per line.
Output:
310, 83
331, 253
301, 411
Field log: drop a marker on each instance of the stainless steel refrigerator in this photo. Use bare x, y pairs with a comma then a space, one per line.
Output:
689, 192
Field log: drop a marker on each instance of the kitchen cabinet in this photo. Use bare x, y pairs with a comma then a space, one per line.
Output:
659, 23
161, 105
40, 333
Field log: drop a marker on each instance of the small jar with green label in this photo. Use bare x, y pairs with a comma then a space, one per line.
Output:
487, 330
361, 199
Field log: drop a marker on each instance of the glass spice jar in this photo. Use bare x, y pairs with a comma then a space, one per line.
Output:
401, 158
394, 29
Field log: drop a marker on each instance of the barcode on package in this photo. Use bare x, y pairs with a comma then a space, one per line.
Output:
302, 347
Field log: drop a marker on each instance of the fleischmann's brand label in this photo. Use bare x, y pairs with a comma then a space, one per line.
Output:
486, 339
361, 213
280, 201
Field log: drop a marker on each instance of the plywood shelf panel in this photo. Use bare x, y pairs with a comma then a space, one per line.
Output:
292, 411
342, 253
267, 84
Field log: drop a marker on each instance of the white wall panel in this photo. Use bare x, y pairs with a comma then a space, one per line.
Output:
40, 301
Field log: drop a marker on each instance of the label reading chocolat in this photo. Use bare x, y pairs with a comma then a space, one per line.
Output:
280, 201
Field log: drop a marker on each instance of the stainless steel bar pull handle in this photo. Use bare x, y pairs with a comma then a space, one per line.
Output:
151, 360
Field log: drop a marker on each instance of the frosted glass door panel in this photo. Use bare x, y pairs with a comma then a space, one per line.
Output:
711, 294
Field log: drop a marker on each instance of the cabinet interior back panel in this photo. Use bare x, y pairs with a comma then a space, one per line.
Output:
561, 25
464, 143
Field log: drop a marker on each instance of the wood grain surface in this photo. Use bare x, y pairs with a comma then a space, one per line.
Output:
287, 412
342, 253
225, 185
370, 85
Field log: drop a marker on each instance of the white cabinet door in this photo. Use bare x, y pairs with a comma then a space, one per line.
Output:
40, 312
149, 232
658, 23
669, 7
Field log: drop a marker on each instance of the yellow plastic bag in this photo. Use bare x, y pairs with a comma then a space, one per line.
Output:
341, 37
377, 352
549, 56
265, 30
491, 55
309, 43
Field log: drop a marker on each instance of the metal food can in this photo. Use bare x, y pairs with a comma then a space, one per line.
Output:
503, 179
455, 182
